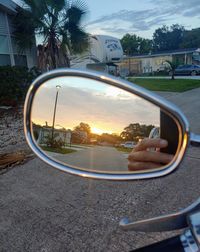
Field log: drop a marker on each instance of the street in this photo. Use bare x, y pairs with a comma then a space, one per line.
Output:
46, 210
98, 158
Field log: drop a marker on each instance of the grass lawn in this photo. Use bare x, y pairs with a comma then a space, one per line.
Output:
123, 149
57, 150
177, 85
81, 146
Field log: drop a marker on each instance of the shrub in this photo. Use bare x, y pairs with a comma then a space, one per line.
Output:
54, 143
14, 83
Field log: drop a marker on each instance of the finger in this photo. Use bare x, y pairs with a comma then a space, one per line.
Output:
139, 166
150, 156
150, 143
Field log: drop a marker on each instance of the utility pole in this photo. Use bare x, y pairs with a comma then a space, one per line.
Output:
54, 113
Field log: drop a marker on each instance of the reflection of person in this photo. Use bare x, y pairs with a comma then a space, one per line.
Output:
142, 157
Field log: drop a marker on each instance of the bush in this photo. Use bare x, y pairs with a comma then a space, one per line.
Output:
55, 143
161, 73
14, 83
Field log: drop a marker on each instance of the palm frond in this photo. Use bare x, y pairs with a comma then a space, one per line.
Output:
24, 29
58, 22
57, 5
173, 65
37, 8
79, 39
76, 12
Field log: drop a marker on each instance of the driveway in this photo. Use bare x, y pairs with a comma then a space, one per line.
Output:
46, 210
189, 102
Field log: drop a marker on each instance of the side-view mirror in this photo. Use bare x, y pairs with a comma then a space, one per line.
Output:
97, 126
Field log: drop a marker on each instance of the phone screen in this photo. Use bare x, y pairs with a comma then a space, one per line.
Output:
169, 131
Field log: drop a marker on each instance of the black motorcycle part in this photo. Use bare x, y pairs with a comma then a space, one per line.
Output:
170, 245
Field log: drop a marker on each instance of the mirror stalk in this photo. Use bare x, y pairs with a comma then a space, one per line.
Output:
169, 222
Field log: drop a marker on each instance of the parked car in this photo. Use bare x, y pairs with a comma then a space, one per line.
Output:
129, 144
188, 70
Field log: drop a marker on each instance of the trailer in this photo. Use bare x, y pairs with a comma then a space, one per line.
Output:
103, 54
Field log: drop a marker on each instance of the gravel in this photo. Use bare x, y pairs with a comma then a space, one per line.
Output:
11, 130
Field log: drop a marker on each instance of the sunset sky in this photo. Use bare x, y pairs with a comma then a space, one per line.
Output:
105, 108
116, 18
140, 17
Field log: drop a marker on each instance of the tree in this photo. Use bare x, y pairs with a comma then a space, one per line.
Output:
173, 65
145, 46
191, 39
135, 130
83, 127
129, 44
168, 38
133, 44
58, 23
81, 133
109, 138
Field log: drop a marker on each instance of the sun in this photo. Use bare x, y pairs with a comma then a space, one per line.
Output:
99, 131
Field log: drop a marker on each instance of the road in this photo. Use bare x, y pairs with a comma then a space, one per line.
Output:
189, 102
98, 158
45, 210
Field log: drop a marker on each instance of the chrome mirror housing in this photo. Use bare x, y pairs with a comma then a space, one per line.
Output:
95, 83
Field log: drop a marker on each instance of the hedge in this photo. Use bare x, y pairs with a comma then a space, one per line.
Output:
14, 83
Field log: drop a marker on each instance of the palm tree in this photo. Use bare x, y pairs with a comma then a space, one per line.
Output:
173, 65
58, 24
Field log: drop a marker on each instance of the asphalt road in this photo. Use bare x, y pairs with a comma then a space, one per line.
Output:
98, 158
189, 103
45, 210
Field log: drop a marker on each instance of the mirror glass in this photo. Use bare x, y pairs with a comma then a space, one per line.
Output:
91, 125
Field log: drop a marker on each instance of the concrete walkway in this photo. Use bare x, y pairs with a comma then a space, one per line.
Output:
189, 103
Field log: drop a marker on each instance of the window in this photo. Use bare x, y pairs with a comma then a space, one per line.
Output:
15, 48
4, 49
3, 26
5, 60
20, 60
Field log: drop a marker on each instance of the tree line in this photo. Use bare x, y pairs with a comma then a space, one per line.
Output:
59, 26
164, 38
132, 132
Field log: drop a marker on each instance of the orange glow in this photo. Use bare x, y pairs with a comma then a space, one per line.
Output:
100, 131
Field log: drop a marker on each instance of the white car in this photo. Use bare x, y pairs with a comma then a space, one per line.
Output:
129, 144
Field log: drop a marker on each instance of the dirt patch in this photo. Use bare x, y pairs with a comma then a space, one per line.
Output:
13, 147
11, 130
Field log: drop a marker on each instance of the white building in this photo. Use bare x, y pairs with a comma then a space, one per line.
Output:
59, 135
154, 62
9, 53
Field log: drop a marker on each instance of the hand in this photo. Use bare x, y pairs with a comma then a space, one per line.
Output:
142, 158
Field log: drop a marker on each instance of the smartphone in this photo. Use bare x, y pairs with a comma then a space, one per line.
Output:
169, 131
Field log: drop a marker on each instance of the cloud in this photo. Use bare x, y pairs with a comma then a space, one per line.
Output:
129, 21
109, 108
188, 8
133, 21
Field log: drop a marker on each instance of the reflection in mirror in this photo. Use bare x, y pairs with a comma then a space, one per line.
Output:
91, 125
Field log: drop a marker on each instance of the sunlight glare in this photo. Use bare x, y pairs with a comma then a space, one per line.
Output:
100, 131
